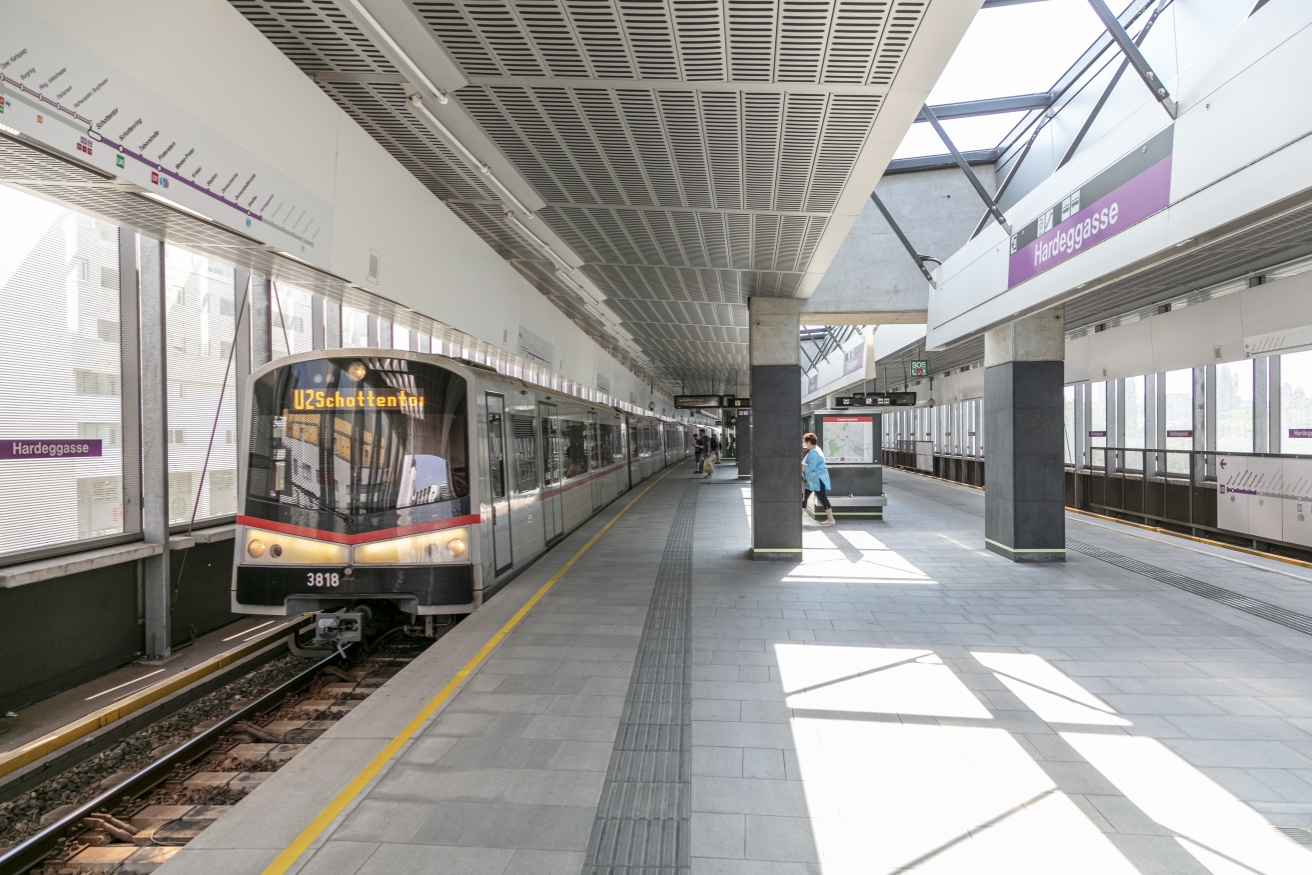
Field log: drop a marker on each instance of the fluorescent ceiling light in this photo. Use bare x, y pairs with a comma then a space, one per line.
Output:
538, 242
417, 102
439, 93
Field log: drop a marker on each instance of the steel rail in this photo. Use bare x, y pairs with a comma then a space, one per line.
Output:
30, 852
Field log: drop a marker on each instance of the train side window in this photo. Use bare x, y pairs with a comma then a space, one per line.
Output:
576, 447
526, 453
496, 450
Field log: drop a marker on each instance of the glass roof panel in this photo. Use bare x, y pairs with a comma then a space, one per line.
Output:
1008, 50
1020, 49
977, 132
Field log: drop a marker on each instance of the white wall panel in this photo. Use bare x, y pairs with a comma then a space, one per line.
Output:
225, 73
1233, 493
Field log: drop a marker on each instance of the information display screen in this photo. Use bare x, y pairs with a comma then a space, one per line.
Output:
691, 402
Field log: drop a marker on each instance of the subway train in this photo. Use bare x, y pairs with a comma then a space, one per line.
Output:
419, 480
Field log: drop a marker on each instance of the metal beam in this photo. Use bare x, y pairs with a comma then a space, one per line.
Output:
906, 244
940, 162
1136, 59
994, 4
1011, 173
989, 106
965, 168
156, 597
1111, 86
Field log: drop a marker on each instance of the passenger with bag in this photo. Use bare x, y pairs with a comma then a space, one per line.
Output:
816, 473
708, 441
697, 448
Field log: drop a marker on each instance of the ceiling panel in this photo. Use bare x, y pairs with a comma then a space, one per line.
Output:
690, 152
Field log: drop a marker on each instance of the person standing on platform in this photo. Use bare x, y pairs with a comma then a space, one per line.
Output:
715, 447
697, 448
816, 473
707, 456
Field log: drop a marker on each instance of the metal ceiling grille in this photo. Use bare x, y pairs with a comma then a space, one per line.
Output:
691, 152
861, 42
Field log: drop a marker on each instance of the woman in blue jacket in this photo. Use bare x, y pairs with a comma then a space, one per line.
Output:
817, 476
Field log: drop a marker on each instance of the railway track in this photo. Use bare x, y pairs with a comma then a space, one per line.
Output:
132, 821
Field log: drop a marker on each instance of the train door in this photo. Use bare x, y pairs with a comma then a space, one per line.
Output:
553, 510
497, 488
594, 457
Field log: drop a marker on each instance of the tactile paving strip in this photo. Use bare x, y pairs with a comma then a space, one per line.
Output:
643, 820
1247, 604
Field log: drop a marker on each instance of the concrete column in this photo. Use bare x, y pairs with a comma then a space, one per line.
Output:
1024, 514
743, 438
1273, 417
1261, 407
154, 448
332, 325
261, 322
129, 322
316, 322
776, 451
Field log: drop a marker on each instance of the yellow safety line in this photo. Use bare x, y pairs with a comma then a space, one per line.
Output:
292, 852
98, 719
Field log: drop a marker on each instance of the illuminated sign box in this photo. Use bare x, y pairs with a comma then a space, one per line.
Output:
316, 401
698, 402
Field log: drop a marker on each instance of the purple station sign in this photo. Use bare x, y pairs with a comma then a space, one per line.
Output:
58, 448
854, 360
1300, 432
1129, 191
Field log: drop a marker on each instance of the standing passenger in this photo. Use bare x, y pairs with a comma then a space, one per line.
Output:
707, 443
817, 476
697, 448
715, 447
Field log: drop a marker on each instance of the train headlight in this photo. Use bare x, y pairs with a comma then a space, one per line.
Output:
357, 370
271, 548
430, 548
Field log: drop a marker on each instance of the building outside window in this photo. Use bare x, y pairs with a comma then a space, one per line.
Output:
59, 282
1296, 402
292, 315
1135, 418
1179, 419
1098, 423
198, 375
355, 328
1234, 407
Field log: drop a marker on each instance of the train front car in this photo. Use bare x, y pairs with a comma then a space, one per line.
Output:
356, 487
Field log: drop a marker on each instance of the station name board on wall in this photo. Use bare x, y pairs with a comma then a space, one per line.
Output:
1129, 191
59, 94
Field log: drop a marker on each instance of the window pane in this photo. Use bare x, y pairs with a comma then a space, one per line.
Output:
1069, 418
59, 280
1295, 401
200, 333
1098, 422
1179, 418
355, 329
1234, 407
1134, 422
293, 320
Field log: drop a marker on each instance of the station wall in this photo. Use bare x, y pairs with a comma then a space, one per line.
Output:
204, 56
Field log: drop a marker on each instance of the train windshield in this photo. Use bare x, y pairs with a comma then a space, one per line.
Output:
355, 436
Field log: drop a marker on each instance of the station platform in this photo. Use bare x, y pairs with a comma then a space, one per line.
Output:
648, 699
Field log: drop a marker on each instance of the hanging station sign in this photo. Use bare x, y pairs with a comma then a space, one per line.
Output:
1129, 191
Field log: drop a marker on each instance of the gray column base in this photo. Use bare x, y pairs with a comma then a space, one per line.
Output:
788, 554
776, 460
1024, 495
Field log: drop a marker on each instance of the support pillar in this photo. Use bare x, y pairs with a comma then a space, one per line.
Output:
1024, 512
154, 449
261, 322
743, 441
776, 450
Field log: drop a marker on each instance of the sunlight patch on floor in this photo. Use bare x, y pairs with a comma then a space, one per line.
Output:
1221, 832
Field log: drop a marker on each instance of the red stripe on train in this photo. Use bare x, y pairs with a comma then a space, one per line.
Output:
363, 537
